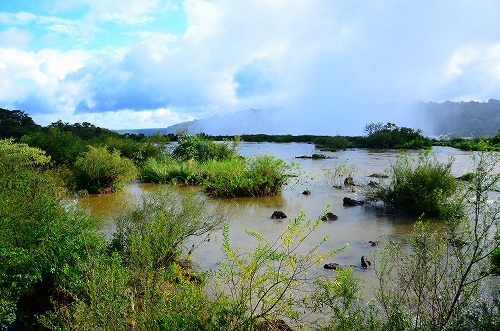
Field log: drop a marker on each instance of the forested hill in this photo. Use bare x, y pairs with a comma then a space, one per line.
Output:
462, 119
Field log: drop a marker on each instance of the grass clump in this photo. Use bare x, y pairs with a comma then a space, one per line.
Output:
419, 184
165, 169
261, 175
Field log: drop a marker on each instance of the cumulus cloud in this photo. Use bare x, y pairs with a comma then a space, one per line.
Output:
330, 67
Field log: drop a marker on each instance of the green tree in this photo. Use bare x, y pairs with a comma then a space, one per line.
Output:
15, 124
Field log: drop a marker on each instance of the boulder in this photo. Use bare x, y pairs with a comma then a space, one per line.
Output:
365, 263
278, 215
375, 175
349, 181
306, 192
332, 266
329, 217
351, 202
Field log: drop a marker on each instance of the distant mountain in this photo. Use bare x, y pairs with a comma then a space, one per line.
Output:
247, 121
462, 119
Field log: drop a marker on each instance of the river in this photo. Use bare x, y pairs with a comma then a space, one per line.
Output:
355, 225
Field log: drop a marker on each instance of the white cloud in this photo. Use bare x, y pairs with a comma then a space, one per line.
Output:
15, 38
20, 18
311, 56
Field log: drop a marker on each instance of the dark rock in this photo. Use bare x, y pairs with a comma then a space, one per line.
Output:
278, 215
349, 181
329, 217
351, 202
314, 156
373, 243
375, 175
274, 325
306, 192
365, 263
333, 266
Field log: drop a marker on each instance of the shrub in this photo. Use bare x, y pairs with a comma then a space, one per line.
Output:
270, 282
437, 284
40, 246
100, 168
419, 185
14, 155
164, 169
331, 143
199, 148
153, 233
254, 176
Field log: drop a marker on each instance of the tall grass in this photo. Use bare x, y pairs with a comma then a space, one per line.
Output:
261, 175
165, 169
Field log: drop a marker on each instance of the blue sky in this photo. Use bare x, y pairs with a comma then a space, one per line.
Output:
329, 66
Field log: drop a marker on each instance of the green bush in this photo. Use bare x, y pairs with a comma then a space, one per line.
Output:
152, 234
14, 155
199, 148
331, 143
419, 185
165, 169
100, 168
40, 245
261, 175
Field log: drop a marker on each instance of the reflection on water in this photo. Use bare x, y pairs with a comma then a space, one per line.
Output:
355, 225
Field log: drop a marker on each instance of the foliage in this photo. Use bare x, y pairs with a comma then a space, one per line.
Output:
419, 184
199, 148
152, 234
100, 168
495, 261
15, 124
338, 301
117, 297
269, 283
392, 136
40, 244
15, 155
261, 175
137, 282
62, 146
332, 143
436, 284
165, 169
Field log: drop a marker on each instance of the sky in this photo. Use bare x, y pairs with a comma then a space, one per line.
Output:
320, 66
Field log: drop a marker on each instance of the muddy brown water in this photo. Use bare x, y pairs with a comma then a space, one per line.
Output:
355, 225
